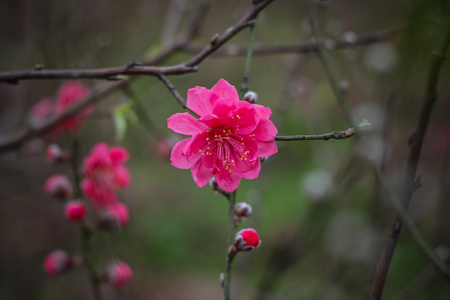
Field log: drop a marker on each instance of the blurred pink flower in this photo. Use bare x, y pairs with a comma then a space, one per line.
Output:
41, 111
104, 174
228, 139
75, 210
69, 94
58, 186
114, 216
119, 274
58, 261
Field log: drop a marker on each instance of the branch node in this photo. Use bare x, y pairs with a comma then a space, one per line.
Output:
214, 40
38, 67
133, 64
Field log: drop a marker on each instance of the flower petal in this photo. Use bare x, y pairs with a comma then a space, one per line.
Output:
267, 148
201, 174
185, 123
179, 159
225, 90
227, 181
200, 100
243, 121
265, 131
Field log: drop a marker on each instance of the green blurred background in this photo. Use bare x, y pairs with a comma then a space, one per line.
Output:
317, 206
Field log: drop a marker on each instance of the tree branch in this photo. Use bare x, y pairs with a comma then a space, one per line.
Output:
337, 135
415, 143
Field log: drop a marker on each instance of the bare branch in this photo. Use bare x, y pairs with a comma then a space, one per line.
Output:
337, 135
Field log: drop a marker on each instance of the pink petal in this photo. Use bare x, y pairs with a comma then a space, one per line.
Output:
225, 90
118, 155
243, 121
122, 177
267, 148
265, 131
263, 112
181, 160
223, 107
185, 123
200, 100
226, 181
200, 174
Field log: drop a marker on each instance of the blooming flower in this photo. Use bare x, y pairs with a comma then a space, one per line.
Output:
104, 174
119, 274
228, 139
69, 94
246, 239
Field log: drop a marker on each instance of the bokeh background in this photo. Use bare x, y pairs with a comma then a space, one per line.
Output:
317, 206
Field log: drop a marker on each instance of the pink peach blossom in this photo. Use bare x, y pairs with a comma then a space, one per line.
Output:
69, 94
75, 210
228, 139
104, 174
119, 274
246, 239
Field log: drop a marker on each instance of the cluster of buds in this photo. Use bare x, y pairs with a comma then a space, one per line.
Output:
117, 274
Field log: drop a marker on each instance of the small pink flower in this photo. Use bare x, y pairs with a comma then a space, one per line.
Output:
119, 274
58, 261
75, 210
104, 174
114, 216
228, 139
55, 154
246, 239
41, 111
69, 94
58, 186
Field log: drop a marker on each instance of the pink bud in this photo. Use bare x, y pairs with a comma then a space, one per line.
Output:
242, 210
75, 210
114, 216
58, 261
119, 274
246, 239
58, 186
55, 154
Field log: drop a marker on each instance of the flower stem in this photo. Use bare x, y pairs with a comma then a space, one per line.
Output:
248, 63
230, 256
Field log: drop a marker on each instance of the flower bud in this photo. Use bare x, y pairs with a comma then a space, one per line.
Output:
58, 186
75, 210
242, 210
55, 154
246, 240
119, 274
58, 261
114, 216
251, 97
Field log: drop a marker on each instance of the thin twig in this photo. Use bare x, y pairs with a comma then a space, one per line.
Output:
306, 48
337, 135
326, 64
248, 63
415, 143
173, 90
230, 255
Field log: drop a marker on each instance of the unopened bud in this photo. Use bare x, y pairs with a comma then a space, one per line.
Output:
58, 186
59, 261
75, 210
251, 97
119, 274
264, 159
114, 216
55, 154
246, 240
